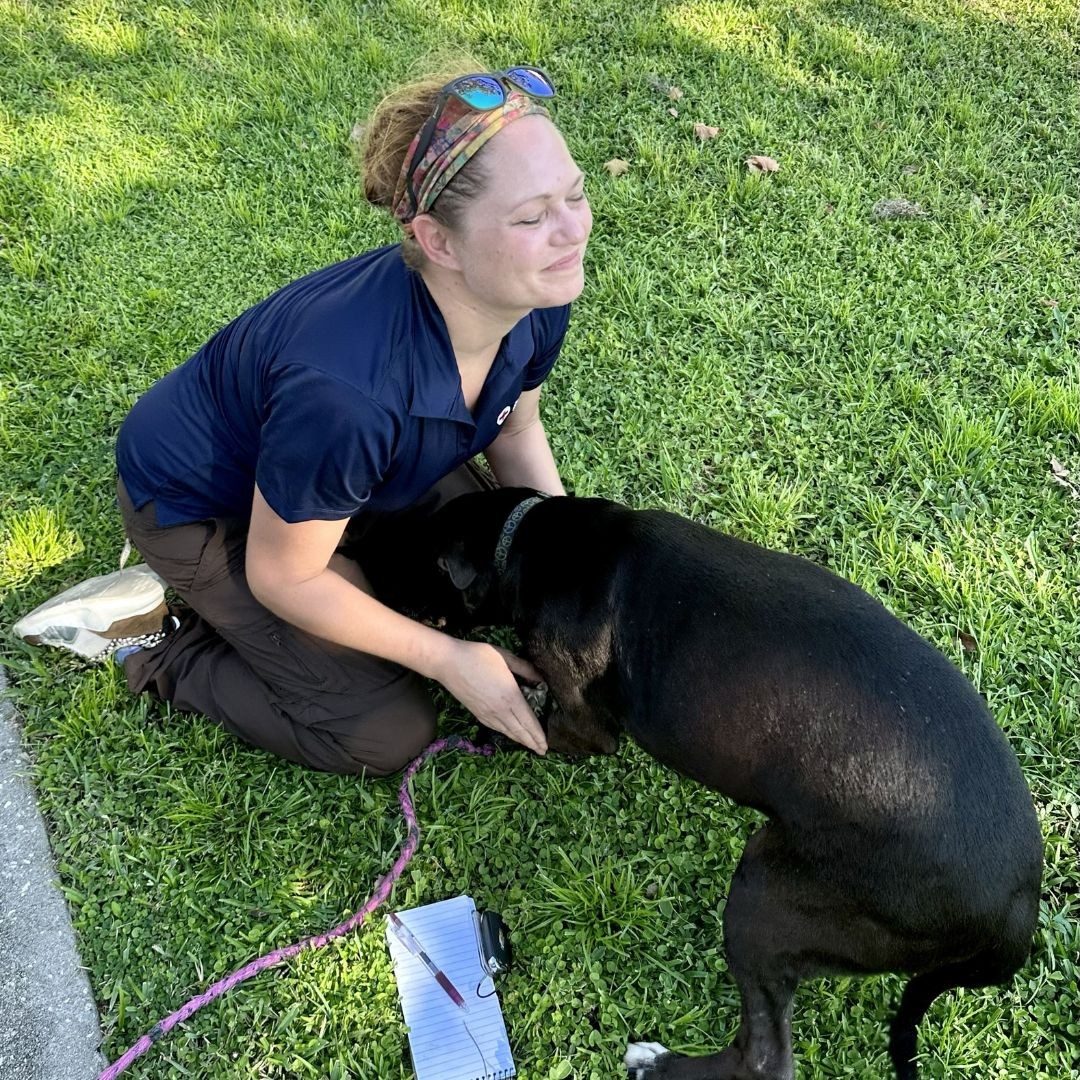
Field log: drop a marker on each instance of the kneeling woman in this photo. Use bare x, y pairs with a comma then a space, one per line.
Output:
358, 391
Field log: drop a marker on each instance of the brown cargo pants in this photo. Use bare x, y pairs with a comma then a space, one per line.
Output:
275, 686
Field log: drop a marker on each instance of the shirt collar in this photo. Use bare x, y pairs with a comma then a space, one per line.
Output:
435, 384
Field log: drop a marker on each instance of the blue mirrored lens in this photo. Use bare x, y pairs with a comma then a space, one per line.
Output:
531, 81
480, 91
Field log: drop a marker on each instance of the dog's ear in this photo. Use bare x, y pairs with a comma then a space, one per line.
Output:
462, 572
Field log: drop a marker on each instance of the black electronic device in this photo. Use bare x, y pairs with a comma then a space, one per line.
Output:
496, 952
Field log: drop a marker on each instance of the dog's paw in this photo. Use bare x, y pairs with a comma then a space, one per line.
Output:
537, 698
642, 1060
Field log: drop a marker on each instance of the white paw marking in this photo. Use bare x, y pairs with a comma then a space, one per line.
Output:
642, 1055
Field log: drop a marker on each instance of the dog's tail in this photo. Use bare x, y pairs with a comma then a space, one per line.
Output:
981, 970
992, 966
917, 998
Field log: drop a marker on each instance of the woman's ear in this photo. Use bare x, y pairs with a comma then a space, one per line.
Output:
435, 241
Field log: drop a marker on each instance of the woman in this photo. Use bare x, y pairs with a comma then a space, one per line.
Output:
357, 391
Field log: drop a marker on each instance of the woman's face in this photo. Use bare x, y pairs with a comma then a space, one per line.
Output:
522, 242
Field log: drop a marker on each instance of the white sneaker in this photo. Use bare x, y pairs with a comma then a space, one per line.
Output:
100, 615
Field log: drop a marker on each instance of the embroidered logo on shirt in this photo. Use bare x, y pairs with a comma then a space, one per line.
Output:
507, 410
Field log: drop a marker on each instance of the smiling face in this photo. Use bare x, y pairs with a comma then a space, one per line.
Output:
521, 244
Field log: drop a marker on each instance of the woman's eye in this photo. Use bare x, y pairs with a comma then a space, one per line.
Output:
537, 220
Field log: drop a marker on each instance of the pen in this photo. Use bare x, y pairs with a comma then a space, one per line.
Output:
404, 935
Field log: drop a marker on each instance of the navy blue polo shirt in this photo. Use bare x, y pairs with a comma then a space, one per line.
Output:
338, 393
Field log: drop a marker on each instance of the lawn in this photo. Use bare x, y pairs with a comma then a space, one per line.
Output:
896, 397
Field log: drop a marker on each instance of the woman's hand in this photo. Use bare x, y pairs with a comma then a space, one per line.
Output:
481, 677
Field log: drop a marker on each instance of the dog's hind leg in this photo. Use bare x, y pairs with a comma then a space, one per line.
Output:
784, 922
764, 941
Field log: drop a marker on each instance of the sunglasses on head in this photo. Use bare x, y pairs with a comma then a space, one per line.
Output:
481, 92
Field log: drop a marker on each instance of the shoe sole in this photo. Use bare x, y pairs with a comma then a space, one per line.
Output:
97, 603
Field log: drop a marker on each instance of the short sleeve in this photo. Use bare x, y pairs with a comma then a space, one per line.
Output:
323, 447
549, 329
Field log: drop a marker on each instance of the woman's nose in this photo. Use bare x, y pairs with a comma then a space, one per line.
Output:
575, 223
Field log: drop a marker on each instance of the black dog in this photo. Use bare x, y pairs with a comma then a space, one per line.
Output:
901, 833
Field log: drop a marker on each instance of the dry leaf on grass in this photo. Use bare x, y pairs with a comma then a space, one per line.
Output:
674, 93
967, 642
1046, 301
759, 163
673, 112
1062, 476
616, 166
704, 132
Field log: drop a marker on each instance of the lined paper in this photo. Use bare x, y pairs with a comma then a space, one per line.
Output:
439, 1032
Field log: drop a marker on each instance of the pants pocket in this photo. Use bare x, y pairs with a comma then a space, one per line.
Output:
299, 673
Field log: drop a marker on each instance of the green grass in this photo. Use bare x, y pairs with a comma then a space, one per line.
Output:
760, 353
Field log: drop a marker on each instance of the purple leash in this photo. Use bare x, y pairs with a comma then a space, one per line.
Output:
379, 896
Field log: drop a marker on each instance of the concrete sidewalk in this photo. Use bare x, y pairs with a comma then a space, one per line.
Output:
48, 1019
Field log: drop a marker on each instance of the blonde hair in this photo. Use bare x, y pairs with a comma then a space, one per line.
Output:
390, 131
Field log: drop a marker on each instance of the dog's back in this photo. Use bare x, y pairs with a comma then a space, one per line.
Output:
885, 742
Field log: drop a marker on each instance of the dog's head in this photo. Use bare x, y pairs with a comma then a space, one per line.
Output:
399, 559
464, 535
441, 569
